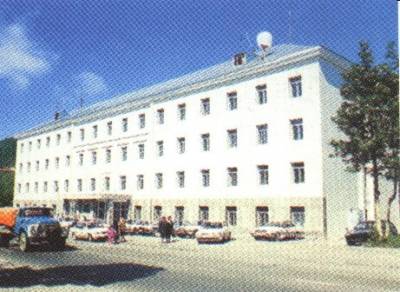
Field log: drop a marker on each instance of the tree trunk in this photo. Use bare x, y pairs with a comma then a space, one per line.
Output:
375, 175
390, 201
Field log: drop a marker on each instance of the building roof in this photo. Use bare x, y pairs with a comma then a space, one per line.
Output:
278, 56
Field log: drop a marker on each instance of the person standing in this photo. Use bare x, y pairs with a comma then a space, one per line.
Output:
169, 229
121, 229
162, 225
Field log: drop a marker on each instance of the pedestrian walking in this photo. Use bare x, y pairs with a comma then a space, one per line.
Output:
111, 235
162, 225
122, 229
169, 229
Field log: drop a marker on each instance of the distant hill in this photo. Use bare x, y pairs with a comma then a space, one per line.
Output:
7, 152
7, 160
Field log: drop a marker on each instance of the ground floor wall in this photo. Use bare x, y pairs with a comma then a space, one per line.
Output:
241, 215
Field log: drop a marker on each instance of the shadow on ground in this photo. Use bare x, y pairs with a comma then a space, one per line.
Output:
95, 275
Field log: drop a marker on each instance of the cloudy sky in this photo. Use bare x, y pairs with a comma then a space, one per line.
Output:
54, 52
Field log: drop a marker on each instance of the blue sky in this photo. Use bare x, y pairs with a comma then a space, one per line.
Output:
52, 52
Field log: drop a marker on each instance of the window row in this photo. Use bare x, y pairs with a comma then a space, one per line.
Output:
262, 218
298, 176
205, 109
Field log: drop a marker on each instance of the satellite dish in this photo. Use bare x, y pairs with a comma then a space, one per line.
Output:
264, 40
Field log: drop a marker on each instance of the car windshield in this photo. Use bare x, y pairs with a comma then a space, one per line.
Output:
212, 225
35, 212
361, 226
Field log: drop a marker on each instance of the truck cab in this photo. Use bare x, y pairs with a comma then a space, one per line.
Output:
36, 226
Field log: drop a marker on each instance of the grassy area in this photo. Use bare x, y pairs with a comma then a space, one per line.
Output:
393, 241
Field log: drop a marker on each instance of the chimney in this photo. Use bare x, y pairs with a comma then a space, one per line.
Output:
56, 116
239, 59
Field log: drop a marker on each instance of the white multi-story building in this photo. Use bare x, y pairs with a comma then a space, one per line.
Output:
243, 143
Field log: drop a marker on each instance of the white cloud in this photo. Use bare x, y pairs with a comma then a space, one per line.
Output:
20, 60
90, 84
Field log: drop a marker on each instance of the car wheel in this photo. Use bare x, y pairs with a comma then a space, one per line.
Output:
24, 242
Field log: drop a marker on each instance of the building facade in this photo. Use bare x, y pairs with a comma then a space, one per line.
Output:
245, 144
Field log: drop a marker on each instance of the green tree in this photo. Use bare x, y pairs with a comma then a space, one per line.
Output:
368, 99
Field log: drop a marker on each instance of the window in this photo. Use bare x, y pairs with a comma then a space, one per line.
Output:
297, 215
140, 181
297, 129
137, 213
27, 187
298, 172
94, 157
37, 165
179, 214
232, 138
46, 164
122, 182
47, 141
80, 159
159, 180
38, 143
203, 213
262, 134
124, 125
142, 121
108, 155
36, 187
124, 153
232, 101
295, 84
66, 186
67, 161
205, 106
92, 184
82, 134
180, 175
95, 130
30, 146
182, 111
231, 216
21, 167
263, 174
107, 183
79, 185
19, 188
160, 148
262, 94
45, 187
157, 212
55, 186
28, 167
22, 147
57, 162
232, 176
262, 217
141, 151
181, 145
58, 139
69, 137
109, 128
160, 116
205, 141
205, 177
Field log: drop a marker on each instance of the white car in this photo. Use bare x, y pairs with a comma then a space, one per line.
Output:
87, 231
277, 231
213, 232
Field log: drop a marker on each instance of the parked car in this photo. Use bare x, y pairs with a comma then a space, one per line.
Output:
364, 231
278, 231
133, 227
67, 222
213, 232
88, 231
187, 229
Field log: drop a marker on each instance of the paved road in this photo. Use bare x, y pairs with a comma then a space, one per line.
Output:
144, 264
